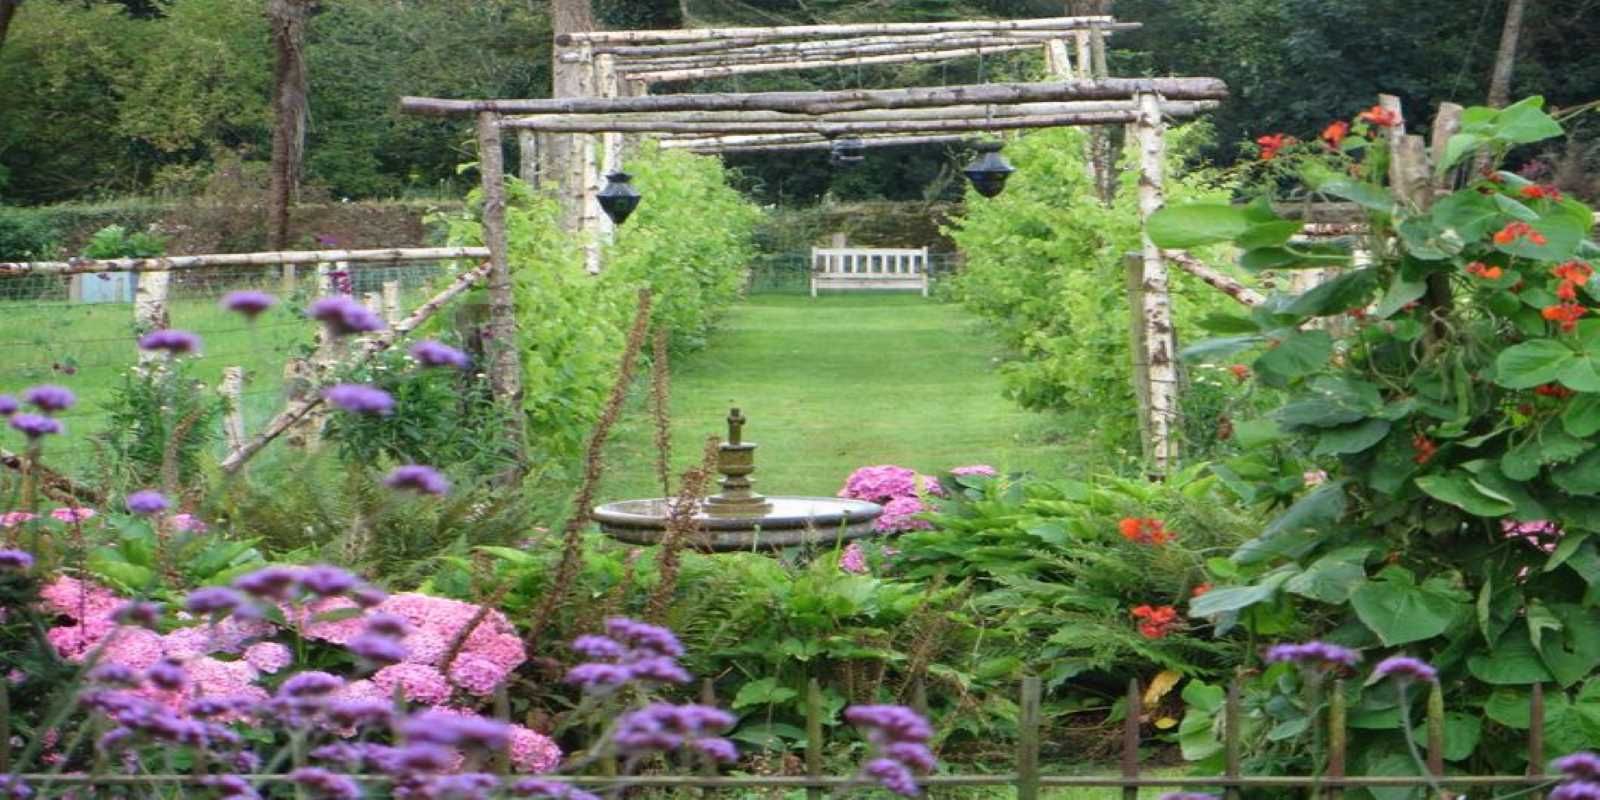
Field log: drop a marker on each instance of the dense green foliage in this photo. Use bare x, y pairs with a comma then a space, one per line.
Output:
1454, 406
1045, 266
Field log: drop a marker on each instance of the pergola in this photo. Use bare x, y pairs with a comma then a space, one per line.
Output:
602, 85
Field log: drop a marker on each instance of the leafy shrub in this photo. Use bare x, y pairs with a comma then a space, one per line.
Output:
114, 241
1446, 395
27, 234
161, 422
1045, 269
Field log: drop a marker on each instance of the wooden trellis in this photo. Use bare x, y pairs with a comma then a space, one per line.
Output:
603, 81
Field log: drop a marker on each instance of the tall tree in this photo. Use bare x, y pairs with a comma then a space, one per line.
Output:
8, 9
287, 19
1506, 58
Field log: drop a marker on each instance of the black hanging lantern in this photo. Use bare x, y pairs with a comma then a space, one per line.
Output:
847, 153
619, 198
988, 172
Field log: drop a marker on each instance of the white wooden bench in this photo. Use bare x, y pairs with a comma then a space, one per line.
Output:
869, 268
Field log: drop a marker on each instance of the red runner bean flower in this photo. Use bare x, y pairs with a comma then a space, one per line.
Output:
1380, 116
1144, 530
1484, 271
1155, 621
1566, 314
1270, 145
1425, 449
1537, 192
1518, 230
1334, 134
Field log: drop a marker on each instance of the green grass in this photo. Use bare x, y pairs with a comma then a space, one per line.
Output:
843, 381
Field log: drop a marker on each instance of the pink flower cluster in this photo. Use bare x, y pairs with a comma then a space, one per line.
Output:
981, 470
1542, 534
488, 655
899, 490
853, 560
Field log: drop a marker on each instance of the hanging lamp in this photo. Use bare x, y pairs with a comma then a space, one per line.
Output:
619, 198
989, 171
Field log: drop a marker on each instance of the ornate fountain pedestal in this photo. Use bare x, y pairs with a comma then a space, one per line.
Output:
737, 518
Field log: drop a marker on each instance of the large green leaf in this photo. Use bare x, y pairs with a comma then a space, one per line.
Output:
1581, 417
1470, 215
1460, 490
1366, 195
1352, 438
1581, 476
1219, 347
1574, 652
1184, 225
1399, 611
1349, 290
1524, 122
1299, 354
1400, 294
1530, 364
1299, 529
1333, 577
1233, 598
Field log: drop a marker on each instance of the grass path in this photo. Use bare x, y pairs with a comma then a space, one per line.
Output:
842, 381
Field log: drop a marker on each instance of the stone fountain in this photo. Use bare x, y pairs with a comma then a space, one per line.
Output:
737, 518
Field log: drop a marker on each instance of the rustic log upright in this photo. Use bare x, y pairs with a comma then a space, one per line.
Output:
1159, 342
505, 365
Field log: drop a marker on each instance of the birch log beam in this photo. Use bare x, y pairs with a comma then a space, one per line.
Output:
707, 73
559, 124
370, 348
1215, 278
17, 269
505, 365
825, 102
718, 48
1174, 109
1160, 343
773, 34
706, 146
794, 51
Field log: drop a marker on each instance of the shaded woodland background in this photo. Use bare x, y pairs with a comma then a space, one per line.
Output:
104, 98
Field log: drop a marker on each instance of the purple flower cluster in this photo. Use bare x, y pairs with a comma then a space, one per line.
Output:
886, 482
34, 426
899, 737
359, 399
1404, 669
418, 478
382, 642
344, 316
429, 353
663, 728
16, 560
555, 790
174, 342
8, 405
326, 785
148, 502
250, 304
49, 398
1582, 773
1313, 654
631, 651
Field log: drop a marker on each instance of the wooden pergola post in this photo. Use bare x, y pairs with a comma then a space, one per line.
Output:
505, 366
1160, 345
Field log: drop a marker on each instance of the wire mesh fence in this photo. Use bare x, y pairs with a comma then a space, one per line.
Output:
790, 273
79, 331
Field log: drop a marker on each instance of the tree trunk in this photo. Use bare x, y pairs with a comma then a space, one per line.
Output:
566, 157
8, 9
1506, 58
287, 19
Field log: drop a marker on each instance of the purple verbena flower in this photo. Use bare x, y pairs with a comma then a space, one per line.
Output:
16, 560
34, 426
599, 676
1582, 765
49, 398
167, 674
892, 775
359, 399
556, 790
1576, 790
886, 724
661, 727
327, 581
716, 748
368, 596
377, 649
143, 613
230, 787
465, 786
658, 668
344, 316
359, 711
1404, 668
114, 675
269, 582
418, 478
311, 683
380, 623
8, 405
13, 787
453, 730
148, 501
1315, 654
424, 757
597, 647
430, 353
175, 342
250, 304
212, 600
642, 636
916, 756
326, 785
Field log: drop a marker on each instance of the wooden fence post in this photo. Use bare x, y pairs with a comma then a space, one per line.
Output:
502, 712
504, 367
150, 308
1137, 351
813, 737
1232, 741
1028, 722
232, 390
391, 303
1104, 155
1132, 707
1435, 727
1536, 736
1160, 345
1338, 742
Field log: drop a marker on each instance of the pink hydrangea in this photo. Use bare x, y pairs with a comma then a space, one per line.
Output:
337, 631
424, 647
976, 469
476, 674
417, 682
437, 621
886, 482
79, 600
12, 519
853, 560
532, 751
211, 677
268, 657
71, 515
363, 690
133, 647
900, 515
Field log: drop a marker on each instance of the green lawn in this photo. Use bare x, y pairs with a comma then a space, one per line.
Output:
842, 381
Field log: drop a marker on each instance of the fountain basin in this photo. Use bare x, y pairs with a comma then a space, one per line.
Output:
788, 522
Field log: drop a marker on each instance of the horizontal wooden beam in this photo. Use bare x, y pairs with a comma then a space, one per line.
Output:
863, 45
12, 269
764, 144
763, 55
560, 125
1177, 108
817, 31
827, 102
925, 57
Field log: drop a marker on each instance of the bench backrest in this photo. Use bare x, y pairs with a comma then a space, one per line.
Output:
869, 262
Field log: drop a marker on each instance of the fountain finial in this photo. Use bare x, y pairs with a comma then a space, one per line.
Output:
736, 423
